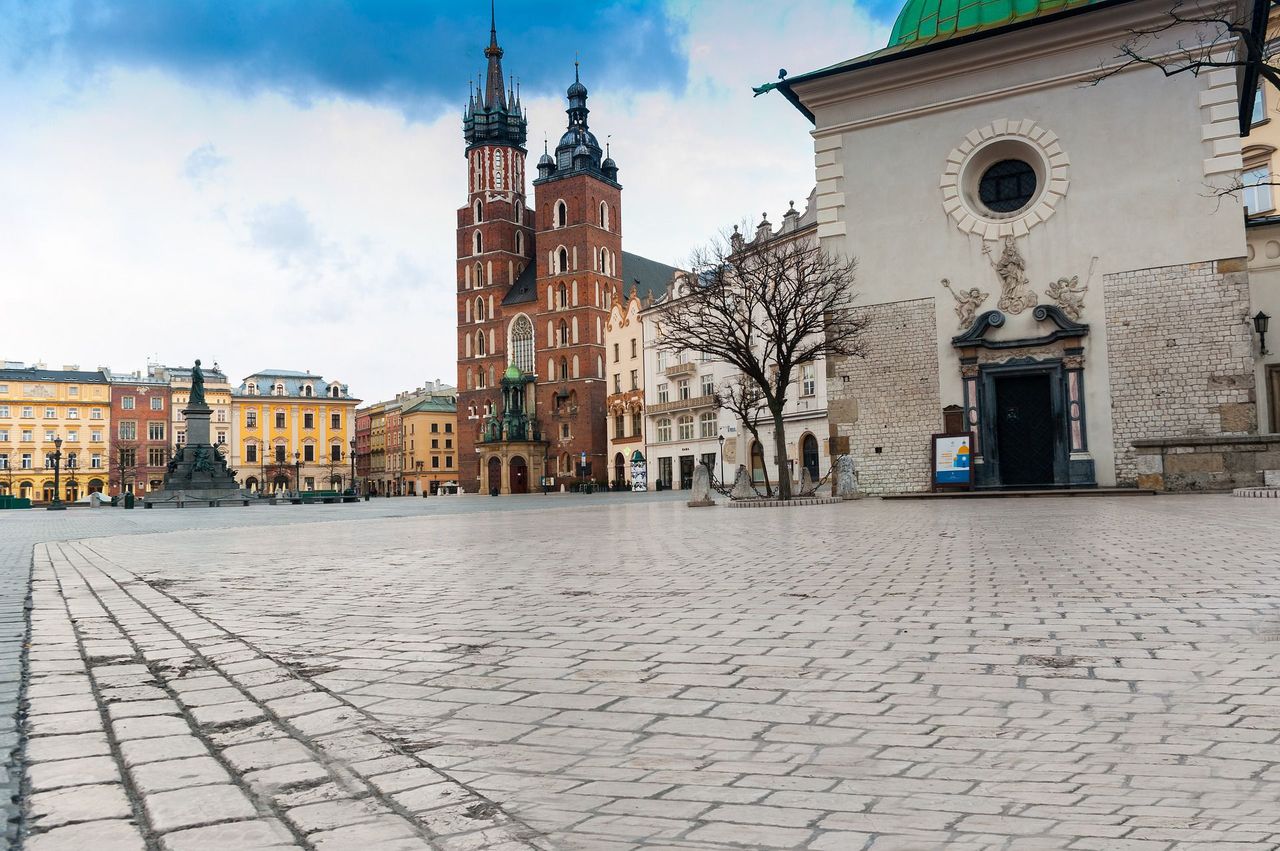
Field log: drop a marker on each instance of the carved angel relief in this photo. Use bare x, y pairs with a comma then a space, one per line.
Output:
967, 303
1068, 294
1016, 294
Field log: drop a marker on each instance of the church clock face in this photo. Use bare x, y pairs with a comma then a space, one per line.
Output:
497, 170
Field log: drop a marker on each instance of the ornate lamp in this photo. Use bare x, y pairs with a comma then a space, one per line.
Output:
56, 504
1260, 323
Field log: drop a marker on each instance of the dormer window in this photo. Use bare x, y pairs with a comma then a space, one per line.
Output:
335, 391
252, 389
279, 390
306, 390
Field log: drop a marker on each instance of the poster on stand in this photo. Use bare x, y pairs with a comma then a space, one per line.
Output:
952, 461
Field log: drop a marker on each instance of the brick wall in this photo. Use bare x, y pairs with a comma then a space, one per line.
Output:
1180, 353
889, 399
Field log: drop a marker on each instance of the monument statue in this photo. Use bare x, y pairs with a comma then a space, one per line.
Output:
1016, 294
967, 303
197, 385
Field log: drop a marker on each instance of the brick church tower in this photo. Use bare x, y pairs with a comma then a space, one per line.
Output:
495, 244
579, 257
534, 288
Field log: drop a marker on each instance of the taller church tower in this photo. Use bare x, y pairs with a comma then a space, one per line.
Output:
579, 257
495, 243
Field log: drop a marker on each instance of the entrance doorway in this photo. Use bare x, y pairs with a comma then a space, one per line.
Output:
686, 472
1024, 430
619, 468
519, 475
495, 475
809, 455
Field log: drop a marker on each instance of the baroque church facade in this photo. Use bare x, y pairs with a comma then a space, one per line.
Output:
536, 277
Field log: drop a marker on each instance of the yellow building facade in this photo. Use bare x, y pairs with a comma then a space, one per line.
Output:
39, 406
430, 452
292, 431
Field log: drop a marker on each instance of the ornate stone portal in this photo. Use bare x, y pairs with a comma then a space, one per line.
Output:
198, 471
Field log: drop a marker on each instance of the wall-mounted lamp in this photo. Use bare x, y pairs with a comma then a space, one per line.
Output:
1260, 323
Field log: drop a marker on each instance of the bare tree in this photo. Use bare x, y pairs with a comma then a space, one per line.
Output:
123, 464
743, 398
766, 311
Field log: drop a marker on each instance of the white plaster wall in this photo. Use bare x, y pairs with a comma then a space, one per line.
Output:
1138, 196
1264, 291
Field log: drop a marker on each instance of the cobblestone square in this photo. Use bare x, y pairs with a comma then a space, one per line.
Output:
610, 673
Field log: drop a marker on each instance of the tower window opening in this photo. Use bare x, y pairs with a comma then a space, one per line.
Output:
479, 213
562, 214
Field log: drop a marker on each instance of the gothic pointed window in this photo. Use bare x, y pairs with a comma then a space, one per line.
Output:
562, 297
564, 333
479, 273
604, 215
564, 369
478, 243
520, 242
563, 261
562, 214
479, 213
480, 344
480, 310
522, 343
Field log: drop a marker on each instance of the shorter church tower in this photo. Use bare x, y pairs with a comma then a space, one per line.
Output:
579, 267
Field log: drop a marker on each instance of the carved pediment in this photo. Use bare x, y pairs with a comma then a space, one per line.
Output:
1064, 328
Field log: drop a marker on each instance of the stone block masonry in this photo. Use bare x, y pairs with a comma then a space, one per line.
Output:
1181, 355
887, 404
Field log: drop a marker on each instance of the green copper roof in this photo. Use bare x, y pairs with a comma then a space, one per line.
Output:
513, 373
934, 20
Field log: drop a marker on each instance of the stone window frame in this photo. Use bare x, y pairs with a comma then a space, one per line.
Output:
1004, 139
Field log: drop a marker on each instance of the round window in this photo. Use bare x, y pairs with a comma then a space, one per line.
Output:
1007, 186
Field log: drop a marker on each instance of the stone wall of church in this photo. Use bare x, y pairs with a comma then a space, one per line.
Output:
1179, 348
885, 406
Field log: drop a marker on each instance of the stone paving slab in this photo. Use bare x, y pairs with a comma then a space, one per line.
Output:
1085, 674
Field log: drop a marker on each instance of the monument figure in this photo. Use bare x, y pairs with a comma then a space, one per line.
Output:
1016, 294
967, 303
198, 472
197, 385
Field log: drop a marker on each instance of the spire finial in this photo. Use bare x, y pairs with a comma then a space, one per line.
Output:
575, 69
493, 23
544, 143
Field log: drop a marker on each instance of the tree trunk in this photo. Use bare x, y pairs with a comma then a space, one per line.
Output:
780, 447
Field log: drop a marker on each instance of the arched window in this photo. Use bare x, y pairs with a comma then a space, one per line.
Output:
564, 369
479, 309
576, 373
519, 242
253, 389
562, 297
809, 455
471, 380
479, 276
335, 391
478, 213
306, 390
604, 215
564, 333
477, 242
279, 390
562, 258
518, 213
522, 343
562, 214
684, 427
480, 344
664, 430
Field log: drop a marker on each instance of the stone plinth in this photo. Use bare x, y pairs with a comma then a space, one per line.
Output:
198, 471
1216, 462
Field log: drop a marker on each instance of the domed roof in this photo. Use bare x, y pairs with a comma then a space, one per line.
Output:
608, 163
933, 20
513, 373
582, 151
577, 89
545, 159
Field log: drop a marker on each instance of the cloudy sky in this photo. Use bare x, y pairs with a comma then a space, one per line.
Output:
273, 183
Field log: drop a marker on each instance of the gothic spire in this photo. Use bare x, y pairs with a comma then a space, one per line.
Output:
493, 113
494, 93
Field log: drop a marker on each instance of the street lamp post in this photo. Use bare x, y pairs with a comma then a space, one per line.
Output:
352, 444
297, 472
722, 459
57, 504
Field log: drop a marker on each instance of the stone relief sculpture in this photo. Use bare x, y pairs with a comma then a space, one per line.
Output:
1016, 294
967, 302
1068, 295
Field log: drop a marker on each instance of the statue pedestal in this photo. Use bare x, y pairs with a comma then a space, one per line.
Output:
198, 472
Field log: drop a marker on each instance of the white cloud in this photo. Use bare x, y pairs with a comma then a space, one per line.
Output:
147, 218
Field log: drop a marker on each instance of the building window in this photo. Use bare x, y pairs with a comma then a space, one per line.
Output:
279, 419
662, 360
448, 461
157, 403
809, 382
522, 343
28, 435
251, 453
307, 390
707, 425
520, 243
128, 430
563, 257
155, 431
435, 461
480, 344
50, 413
335, 392
4, 411
684, 427
308, 453
95, 436
1007, 186
155, 457
478, 214
562, 297
95, 413
73, 413
619, 425
479, 311
1259, 106
26, 461
708, 385
448, 428
683, 389
222, 437
335, 421
280, 454
279, 390
308, 420
477, 243
251, 419
663, 394
562, 214
617, 352
28, 412
180, 438
664, 472
633, 347
126, 403
664, 430
1257, 190
637, 423
617, 382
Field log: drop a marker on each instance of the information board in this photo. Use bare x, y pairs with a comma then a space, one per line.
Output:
952, 460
